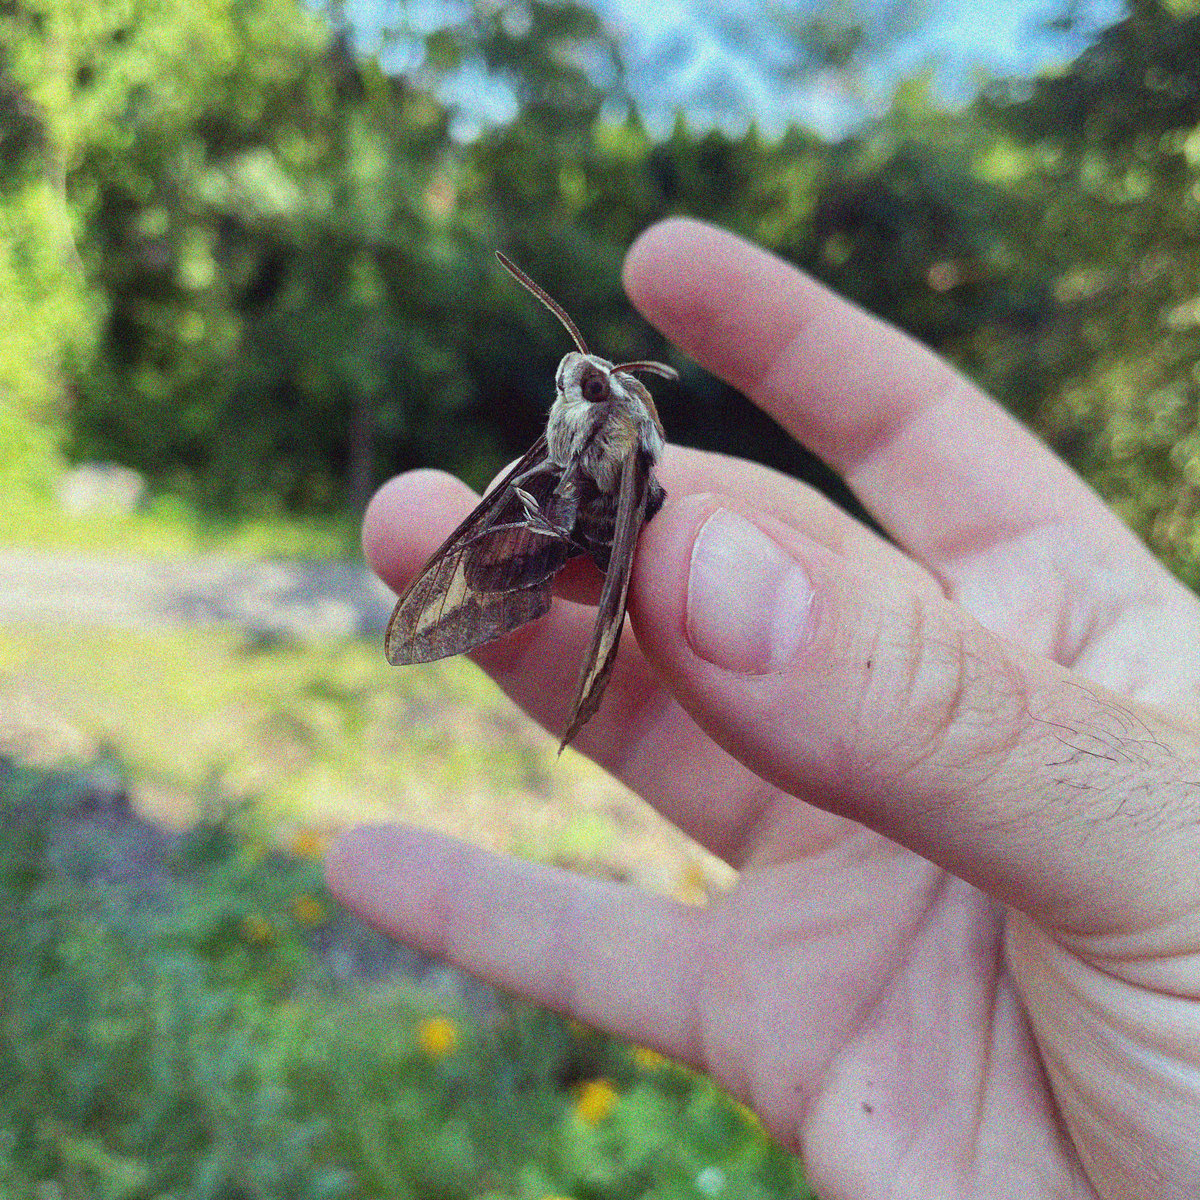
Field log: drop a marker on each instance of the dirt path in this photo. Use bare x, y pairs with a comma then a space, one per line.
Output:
301, 598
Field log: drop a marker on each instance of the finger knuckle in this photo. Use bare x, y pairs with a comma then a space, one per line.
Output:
955, 697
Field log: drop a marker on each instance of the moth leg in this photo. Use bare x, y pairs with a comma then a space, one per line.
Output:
536, 519
533, 473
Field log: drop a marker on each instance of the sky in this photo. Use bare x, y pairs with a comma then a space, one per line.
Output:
725, 62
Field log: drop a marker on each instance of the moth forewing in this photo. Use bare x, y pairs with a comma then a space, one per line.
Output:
585, 487
610, 614
447, 609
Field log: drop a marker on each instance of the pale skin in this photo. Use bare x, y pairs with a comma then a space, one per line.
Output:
959, 776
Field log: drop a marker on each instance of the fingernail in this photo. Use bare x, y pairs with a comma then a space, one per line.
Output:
749, 601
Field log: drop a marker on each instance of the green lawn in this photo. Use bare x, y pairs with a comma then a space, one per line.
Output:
195, 1045
308, 738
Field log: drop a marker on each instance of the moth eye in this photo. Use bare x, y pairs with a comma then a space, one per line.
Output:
594, 388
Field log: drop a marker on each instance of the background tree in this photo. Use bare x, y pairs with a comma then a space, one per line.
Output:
1104, 162
248, 261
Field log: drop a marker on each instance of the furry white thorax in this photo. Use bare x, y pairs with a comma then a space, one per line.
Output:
597, 436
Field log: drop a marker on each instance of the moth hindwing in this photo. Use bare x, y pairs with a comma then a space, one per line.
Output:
586, 486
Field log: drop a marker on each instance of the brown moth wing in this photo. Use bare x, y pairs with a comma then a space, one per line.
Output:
610, 617
492, 575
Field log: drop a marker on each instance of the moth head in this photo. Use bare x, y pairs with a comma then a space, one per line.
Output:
593, 379
586, 379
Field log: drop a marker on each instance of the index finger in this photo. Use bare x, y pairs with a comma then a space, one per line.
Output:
953, 478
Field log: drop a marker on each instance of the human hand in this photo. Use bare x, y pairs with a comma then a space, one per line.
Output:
959, 776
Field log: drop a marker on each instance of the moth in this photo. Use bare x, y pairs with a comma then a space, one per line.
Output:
586, 486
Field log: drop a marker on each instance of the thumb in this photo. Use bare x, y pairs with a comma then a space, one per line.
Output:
897, 709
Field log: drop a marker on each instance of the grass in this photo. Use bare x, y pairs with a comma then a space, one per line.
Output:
309, 738
194, 1045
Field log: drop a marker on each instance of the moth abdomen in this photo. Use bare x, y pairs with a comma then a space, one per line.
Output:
655, 498
595, 524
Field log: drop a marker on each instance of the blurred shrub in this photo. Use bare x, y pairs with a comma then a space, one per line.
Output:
144, 1045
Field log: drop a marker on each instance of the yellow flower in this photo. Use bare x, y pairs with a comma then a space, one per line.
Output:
692, 887
595, 1101
307, 843
437, 1037
257, 929
647, 1059
308, 909
749, 1116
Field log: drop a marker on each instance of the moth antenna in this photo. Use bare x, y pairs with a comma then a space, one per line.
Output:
655, 368
545, 297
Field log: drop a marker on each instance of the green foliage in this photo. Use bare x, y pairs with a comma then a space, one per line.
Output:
144, 1045
1104, 162
167, 1029
46, 311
